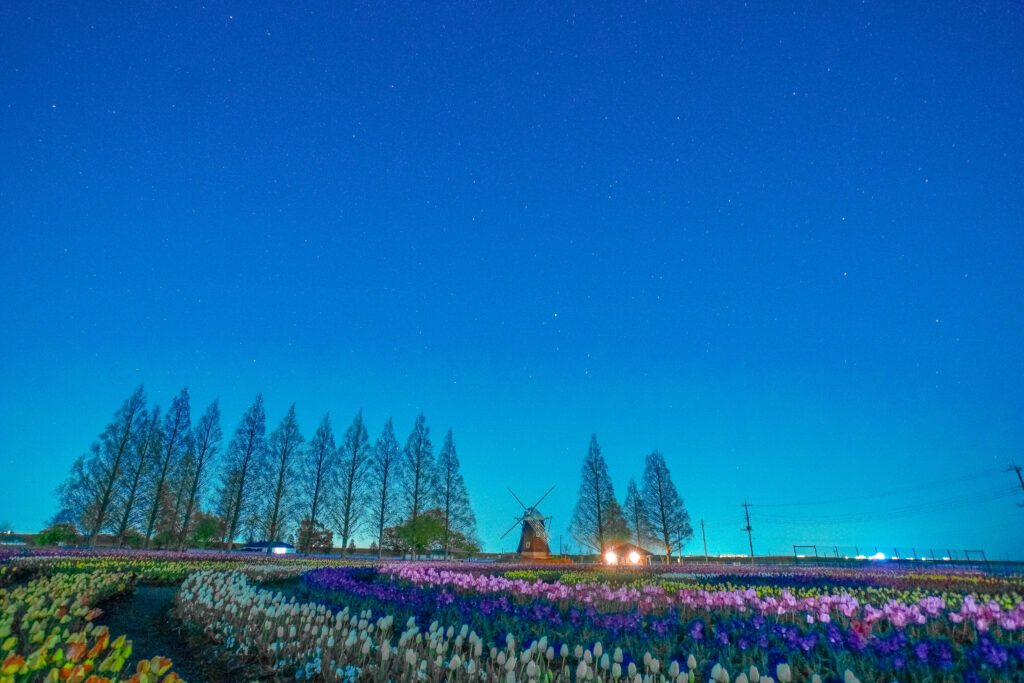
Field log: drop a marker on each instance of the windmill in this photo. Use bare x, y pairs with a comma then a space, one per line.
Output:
533, 540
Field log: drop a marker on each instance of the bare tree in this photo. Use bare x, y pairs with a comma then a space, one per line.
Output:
383, 478
355, 458
669, 519
177, 425
284, 453
206, 438
418, 483
79, 494
453, 498
320, 471
636, 516
145, 451
241, 466
89, 492
597, 520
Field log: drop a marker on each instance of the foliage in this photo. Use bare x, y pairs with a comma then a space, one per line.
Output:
597, 520
422, 533
176, 427
640, 527
383, 478
315, 537
670, 522
319, 473
355, 459
456, 512
129, 499
419, 477
87, 496
206, 438
63, 532
241, 468
280, 474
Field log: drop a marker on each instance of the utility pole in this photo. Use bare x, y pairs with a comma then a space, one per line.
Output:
703, 536
1014, 467
749, 529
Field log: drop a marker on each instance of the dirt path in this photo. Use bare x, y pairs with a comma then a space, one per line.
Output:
145, 617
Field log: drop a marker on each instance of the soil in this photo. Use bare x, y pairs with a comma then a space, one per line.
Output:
145, 617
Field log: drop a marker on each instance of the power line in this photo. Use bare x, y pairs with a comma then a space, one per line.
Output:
977, 498
966, 499
957, 480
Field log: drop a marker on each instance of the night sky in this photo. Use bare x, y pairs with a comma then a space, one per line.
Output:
782, 245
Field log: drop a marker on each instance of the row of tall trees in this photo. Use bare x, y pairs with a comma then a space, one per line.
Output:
155, 478
653, 513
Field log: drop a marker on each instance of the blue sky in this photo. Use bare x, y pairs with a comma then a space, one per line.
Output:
780, 244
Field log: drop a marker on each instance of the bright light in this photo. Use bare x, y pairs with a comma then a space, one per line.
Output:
861, 557
877, 556
634, 557
278, 550
611, 558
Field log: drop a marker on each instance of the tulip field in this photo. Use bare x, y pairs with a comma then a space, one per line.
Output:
329, 620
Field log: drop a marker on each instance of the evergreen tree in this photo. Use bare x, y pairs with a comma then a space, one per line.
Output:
88, 494
637, 518
384, 475
177, 425
241, 467
669, 519
320, 472
355, 458
206, 438
145, 452
597, 520
284, 453
418, 483
452, 497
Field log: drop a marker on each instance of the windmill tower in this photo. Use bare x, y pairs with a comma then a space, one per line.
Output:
533, 539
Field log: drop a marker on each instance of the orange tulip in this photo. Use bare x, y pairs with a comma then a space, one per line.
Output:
75, 651
161, 665
101, 644
12, 664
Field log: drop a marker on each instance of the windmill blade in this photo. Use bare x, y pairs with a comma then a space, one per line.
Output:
517, 498
547, 534
518, 521
543, 497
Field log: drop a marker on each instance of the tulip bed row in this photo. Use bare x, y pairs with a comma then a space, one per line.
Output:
47, 633
304, 639
881, 643
151, 566
657, 597
872, 584
523, 623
